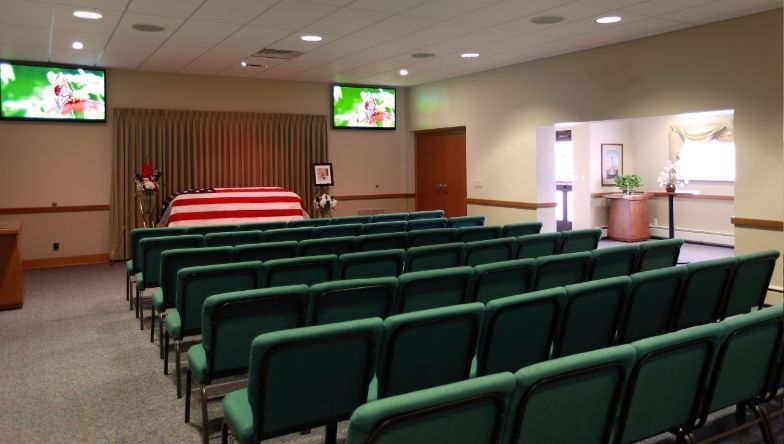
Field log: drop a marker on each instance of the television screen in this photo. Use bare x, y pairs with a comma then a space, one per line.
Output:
47, 92
363, 107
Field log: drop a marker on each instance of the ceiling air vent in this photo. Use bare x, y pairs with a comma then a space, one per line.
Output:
271, 53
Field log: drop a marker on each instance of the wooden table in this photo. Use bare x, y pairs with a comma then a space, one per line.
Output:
628, 220
11, 285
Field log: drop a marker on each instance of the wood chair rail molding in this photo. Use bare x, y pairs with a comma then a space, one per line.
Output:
510, 203
679, 196
54, 209
377, 196
748, 222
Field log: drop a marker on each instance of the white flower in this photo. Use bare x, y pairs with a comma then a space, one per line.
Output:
325, 201
149, 185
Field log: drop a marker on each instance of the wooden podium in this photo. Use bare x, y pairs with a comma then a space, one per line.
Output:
628, 220
11, 285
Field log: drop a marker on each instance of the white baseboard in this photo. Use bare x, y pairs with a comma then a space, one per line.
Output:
701, 237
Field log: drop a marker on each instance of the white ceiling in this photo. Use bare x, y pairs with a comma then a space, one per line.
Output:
365, 41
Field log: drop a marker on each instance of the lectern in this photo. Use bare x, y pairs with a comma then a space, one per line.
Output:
11, 286
628, 220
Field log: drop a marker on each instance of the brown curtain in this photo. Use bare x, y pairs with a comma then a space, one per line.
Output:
210, 149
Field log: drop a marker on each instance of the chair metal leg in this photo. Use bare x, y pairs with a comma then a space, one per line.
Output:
141, 314
331, 433
160, 333
767, 433
205, 420
130, 295
225, 433
138, 298
740, 413
177, 367
127, 288
152, 326
188, 395
166, 353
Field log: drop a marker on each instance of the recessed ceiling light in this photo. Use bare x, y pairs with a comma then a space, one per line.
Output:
77, 45
311, 38
92, 15
244, 63
609, 19
469, 55
144, 27
404, 72
422, 55
546, 19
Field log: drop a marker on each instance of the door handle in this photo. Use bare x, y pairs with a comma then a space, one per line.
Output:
444, 187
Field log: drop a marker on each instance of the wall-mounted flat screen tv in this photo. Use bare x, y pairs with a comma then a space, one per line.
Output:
363, 107
30, 91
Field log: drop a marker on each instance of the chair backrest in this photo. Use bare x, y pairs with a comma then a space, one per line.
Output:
613, 261
137, 234
749, 282
172, 261
351, 299
344, 220
233, 238
575, 241
473, 234
428, 348
204, 229
264, 226
434, 257
651, 305
521, 229
425, 224
489, 251
703, 292
265, 251
390, 217
585, 389
326, 368
562, 269
658, 254
386, 241
465, 221
150, 249
195, 284
307, 270
591, 315
297, 223
538, 245
384, 227
519, 330
465, 412
330, 245
289, 234
371, 264
230, 322
427, 214
502, 279
667, 382
339, 230
421, 290
431, 236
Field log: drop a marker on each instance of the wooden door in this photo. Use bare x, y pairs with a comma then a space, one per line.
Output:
428, 173
441, 171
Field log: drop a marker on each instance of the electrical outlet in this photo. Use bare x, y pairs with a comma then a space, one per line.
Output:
56, 246
655, 222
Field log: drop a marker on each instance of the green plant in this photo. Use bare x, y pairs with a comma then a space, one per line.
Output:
628, 183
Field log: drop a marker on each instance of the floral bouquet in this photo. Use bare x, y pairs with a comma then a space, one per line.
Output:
669, 178
325, 204
149, 179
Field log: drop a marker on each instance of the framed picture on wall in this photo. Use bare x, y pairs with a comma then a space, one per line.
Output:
322, 175
612, 162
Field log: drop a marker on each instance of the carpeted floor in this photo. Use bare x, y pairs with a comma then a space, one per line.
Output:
76, 368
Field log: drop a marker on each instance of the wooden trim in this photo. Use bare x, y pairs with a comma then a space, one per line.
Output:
10, 227
510, 204
55, 209
377, 196
447, 130
758, 223
679, 196
50, 262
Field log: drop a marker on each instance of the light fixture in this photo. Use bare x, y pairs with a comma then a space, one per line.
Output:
469, 55
546, 19
91, 15
609, 19
404, 72
311, 38
244, 63
146, 27
77, 45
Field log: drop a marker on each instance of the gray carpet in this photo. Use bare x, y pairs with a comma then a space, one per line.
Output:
76, 368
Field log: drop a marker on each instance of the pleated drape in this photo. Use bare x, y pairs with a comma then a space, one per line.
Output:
196, 149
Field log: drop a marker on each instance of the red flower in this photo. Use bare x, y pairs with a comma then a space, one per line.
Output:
147, 170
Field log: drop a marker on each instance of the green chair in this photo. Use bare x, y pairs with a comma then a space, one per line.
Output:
344, 220
387, 241
132, 264
489, 251
371, 264
502, 279
347, 300
233, 238
569, 400
205, 229
384, 227
422, 290
339, 230
431, 236
264, 226
303, 378
194, 286
473, 234
750, 282
434, 257
666, 385
658, 254
651, 305
330, 245
289, 234
299, 270
299, 223
426, 214
428, 348
561, 270
425, 224
521, 229
613, 261
465, 221
575, 241
519, 330
703, 292
230, 322
390, 217
538, 245
465, 412
266, 251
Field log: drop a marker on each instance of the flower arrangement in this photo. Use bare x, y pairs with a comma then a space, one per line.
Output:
325, 204
669, 179
148, 180
628, 183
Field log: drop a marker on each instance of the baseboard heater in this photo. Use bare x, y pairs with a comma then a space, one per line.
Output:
693, 236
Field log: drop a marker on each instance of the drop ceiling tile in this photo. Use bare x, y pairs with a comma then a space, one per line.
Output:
65, 20
253, 39
587, 25
517, 44
395, 27
25, 13
71, 56
447, 9
507, 10
292, 15
629, 31
439, 33
92, 42
345, 21
99, 5
653, 8
168, 8
123, 59
561, 46
292, 42
32, 53
479, 38
127, 38
721, 10
393, 7
216, 59
614, 4
332, 2
236, 70
24, 35
201, 31
232, 11
570, 13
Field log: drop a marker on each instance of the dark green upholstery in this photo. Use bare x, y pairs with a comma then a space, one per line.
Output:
347, 300
658, 254
421, 290
265, 251
150, 250
473, 234
666, 384
703, 292
519, 330
538, 245
521, 229
569, 400
431, 236
390, 217
426, 214
651, 304
344, 220
289, 234
428, 348
562, 269
575, 241
332, 245
501, 279
386, 241
425, 224
613, 261
489, 251
264, 226
465, 221
384, 227
299, 270
297, 223
137, 234
750, 282
205, 229
303, 378
370, 264
434, 257
233, 238
340, 230
466, 412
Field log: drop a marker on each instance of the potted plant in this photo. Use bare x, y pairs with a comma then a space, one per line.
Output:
670, 178
628, 183
325, 204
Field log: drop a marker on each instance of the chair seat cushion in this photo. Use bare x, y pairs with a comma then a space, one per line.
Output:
139, 278
197, 362
157, 300
129, 267
238, 415
173, 324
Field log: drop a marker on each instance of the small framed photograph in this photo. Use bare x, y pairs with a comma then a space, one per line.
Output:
612, 162
322, 175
